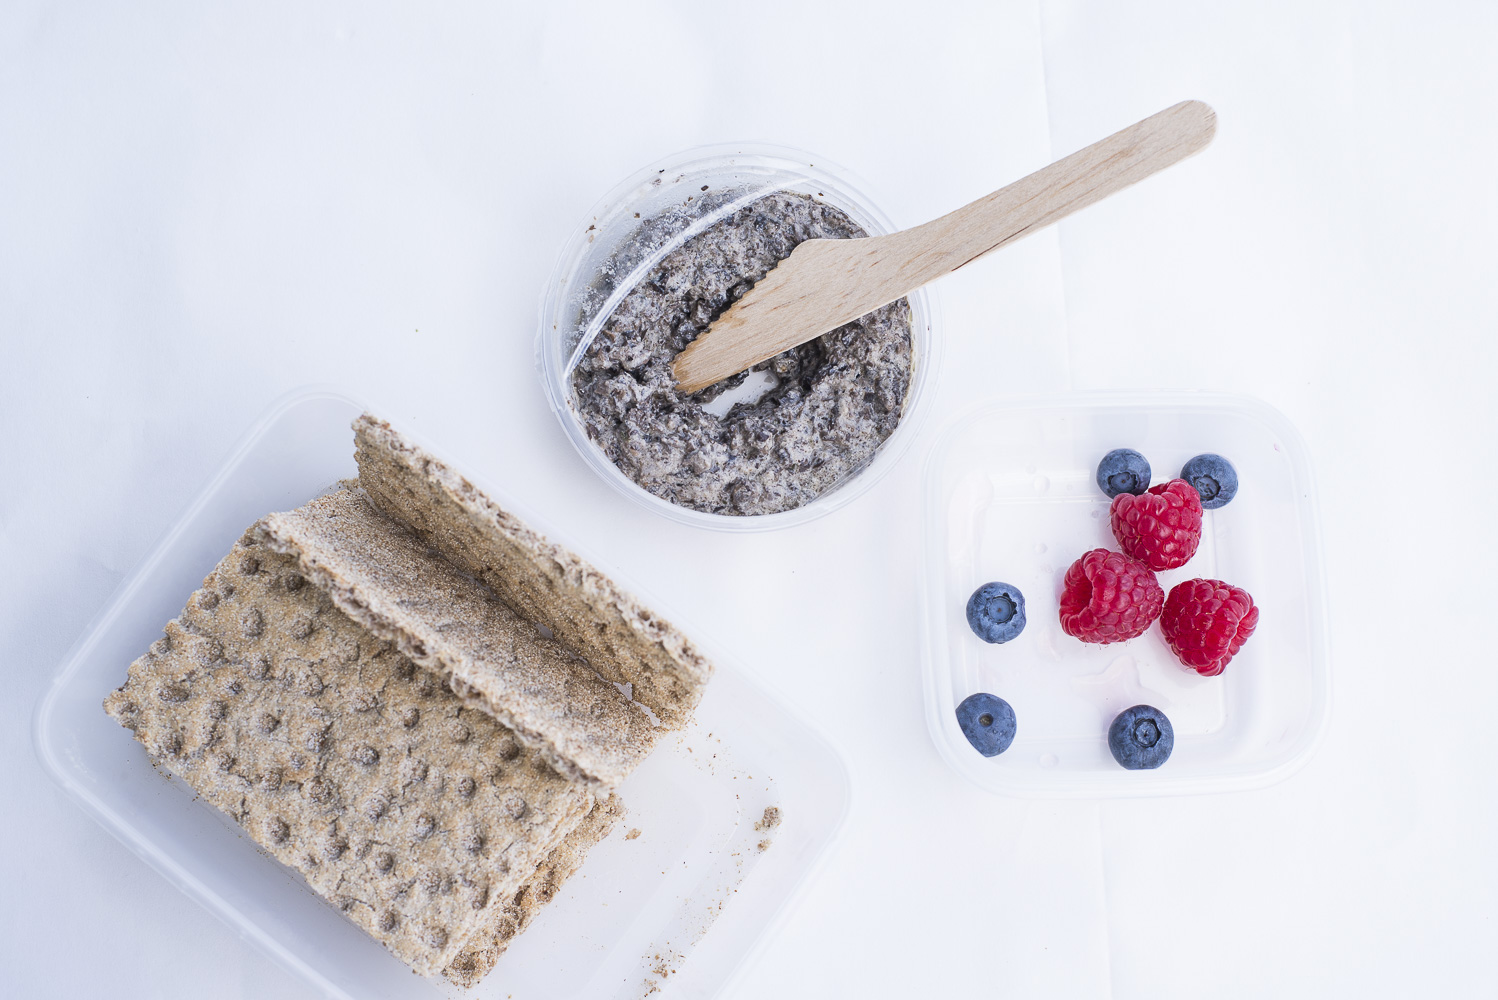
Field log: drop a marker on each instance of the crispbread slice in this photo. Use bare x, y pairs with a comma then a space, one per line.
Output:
414, 814
540, 580
516, 914
386, 579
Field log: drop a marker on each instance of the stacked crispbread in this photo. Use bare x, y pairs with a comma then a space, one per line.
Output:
412, 698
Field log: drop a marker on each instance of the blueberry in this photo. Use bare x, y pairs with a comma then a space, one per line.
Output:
1141, 738
1123, 470
1214, 478
996, 612
987, 722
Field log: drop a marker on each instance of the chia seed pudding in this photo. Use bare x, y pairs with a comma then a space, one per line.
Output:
833, 402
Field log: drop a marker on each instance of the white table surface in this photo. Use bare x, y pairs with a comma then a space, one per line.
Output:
203, 206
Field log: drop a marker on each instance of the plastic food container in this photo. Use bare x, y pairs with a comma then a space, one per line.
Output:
599, 267
680, 907
1010, 495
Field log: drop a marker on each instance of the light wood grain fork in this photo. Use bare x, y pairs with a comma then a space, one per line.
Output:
826, 283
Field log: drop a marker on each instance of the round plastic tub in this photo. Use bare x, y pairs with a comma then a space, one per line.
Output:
602, 262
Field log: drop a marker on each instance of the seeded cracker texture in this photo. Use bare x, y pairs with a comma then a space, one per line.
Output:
837, 397
367, 751
382, 576
516, 914
409, 811
543, 582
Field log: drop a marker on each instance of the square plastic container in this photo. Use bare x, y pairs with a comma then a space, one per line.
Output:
1010, 495
678, 908
683, 195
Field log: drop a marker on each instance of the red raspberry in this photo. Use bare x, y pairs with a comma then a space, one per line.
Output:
1161, 528
1108, 597
1206, 622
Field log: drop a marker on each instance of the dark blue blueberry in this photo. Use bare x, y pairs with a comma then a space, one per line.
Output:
1123, 470
1141, 738
1214, 478
996, 612
987, 722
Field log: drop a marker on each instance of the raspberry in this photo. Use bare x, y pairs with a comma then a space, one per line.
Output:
1162, 528
1206, 622
1108, 597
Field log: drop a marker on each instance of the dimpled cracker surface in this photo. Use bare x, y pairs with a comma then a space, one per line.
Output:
516, 913
540, 580
414, 814
386, 579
